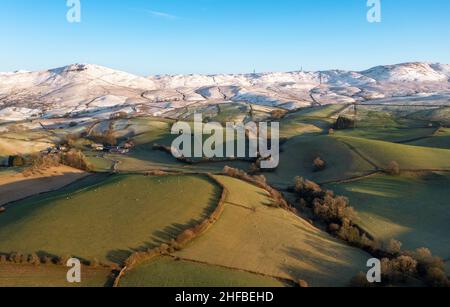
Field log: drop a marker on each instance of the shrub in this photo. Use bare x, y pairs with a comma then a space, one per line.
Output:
344, 123
63, 260
406, 265
185, 237
107, 137
319, 164
303, 283
332, 210
393, 168
34, 259
394, 247
76, 159
436, 277
16, 258
16, 161
94, 263
398, 270
278, 114
46, 260
360, 281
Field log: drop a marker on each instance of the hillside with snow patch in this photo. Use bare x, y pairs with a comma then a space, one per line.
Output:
93, 91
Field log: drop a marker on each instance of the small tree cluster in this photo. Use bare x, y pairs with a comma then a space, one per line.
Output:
319, 164
397, 266
278, 114
344, 123
19, 258
75, 158
393, 168
42, 162
430, 268
107, 137
398, 270
334, 211
16, 161
406, 266
329, 208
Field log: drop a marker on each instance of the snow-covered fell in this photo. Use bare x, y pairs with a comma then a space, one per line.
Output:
92, 91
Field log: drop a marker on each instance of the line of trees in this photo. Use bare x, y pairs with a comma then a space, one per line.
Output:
74, 158
397, 266
35, 259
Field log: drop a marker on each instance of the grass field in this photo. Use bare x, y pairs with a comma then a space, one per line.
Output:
298, 156
252, 236
24, 275
107, 220
393, 134
15, 186
9, 147
167, 272
407, 156
441, 115
440, 139
411, 208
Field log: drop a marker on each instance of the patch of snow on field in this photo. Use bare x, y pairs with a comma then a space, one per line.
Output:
17, 114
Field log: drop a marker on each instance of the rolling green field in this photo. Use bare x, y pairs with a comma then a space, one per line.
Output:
441, 139
167, 272
441, 115
298, 156
411, 208
408, 157
107, 220
116, 211
253, 236
393, 134
24, 275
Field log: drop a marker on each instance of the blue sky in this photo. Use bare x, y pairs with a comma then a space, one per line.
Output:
222, 36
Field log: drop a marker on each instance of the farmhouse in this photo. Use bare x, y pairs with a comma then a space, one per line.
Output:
98, 147
116, 149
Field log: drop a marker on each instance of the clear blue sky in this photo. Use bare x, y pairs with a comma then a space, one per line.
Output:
222, 36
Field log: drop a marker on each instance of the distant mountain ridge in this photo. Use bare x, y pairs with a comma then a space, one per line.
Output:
92, 90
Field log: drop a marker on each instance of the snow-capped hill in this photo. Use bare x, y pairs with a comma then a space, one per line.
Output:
407, 72
92, 91
345, 78
74, 75
89, 72
442, 68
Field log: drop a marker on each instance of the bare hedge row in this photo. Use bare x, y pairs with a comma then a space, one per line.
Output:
73, 158
261, 182
35, 259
